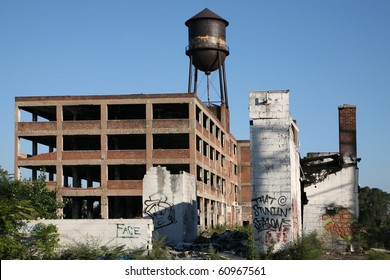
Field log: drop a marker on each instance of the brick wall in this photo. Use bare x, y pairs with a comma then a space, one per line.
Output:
347, 130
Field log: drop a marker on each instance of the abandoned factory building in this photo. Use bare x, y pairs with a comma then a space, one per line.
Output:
172, 158
97, 149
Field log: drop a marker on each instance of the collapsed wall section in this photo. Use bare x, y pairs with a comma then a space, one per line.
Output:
331, 183
170, 201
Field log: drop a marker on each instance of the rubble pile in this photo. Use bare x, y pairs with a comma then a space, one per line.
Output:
228, 245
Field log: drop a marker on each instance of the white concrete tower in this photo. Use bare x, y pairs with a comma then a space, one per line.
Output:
276, 196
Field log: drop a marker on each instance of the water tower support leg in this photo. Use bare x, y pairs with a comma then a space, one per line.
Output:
225, 86
190, 76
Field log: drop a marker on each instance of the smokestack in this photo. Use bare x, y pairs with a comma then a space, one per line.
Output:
347, 131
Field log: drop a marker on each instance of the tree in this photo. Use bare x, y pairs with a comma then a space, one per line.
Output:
374, 216
21, 201
374, 208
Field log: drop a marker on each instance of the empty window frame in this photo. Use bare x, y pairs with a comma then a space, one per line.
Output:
35, 145
199, 173
212, 127
127, 142
33, 172
212, 151
217, 156
205, 121
212, 180
87, 207
176, 168
126, 112
81, 176
171, 111
218, 132
37, 113
222, 139
198, 115
171, 141
80, 112
198, 144
81, 142
126, 172
206, 176
125, 207
205, 149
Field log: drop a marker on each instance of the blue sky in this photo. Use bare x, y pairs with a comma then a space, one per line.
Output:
327, 53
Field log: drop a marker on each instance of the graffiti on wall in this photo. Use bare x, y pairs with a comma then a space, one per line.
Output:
271, 218
127, 231
161, 211
340, 224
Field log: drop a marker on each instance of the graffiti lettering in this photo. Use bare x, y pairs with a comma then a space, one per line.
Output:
161, 212
270, 224
123, 231
271, 211
264, 199
271, 219
340, 225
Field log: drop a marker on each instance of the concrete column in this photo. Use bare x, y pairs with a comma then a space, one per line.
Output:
89, 180
104, 207
59, 171
192, 136
149, 135
76, 208
16, 143
76, 182
103, 166
208, 213
201, 213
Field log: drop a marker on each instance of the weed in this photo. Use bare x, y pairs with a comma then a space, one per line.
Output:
375, 255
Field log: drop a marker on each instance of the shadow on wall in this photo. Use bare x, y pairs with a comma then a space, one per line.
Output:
178, 223
276, 189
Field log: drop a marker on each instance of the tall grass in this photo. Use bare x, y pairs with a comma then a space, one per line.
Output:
308, 247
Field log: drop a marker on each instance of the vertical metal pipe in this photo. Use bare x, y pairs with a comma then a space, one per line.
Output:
220, 79
190, 75
196, 81
208, 88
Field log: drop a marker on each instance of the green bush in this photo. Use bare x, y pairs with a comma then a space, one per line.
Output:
92, 249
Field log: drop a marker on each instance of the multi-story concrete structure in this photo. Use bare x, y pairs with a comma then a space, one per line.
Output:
96, 150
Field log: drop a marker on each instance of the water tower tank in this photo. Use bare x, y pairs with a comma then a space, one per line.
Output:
207, 41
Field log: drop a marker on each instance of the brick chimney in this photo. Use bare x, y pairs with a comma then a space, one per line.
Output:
347, 131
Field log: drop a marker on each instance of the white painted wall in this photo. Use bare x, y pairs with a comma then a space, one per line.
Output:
338, 190
275, 171
170, 201
133, 233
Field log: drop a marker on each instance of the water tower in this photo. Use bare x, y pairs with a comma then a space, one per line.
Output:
207, 50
